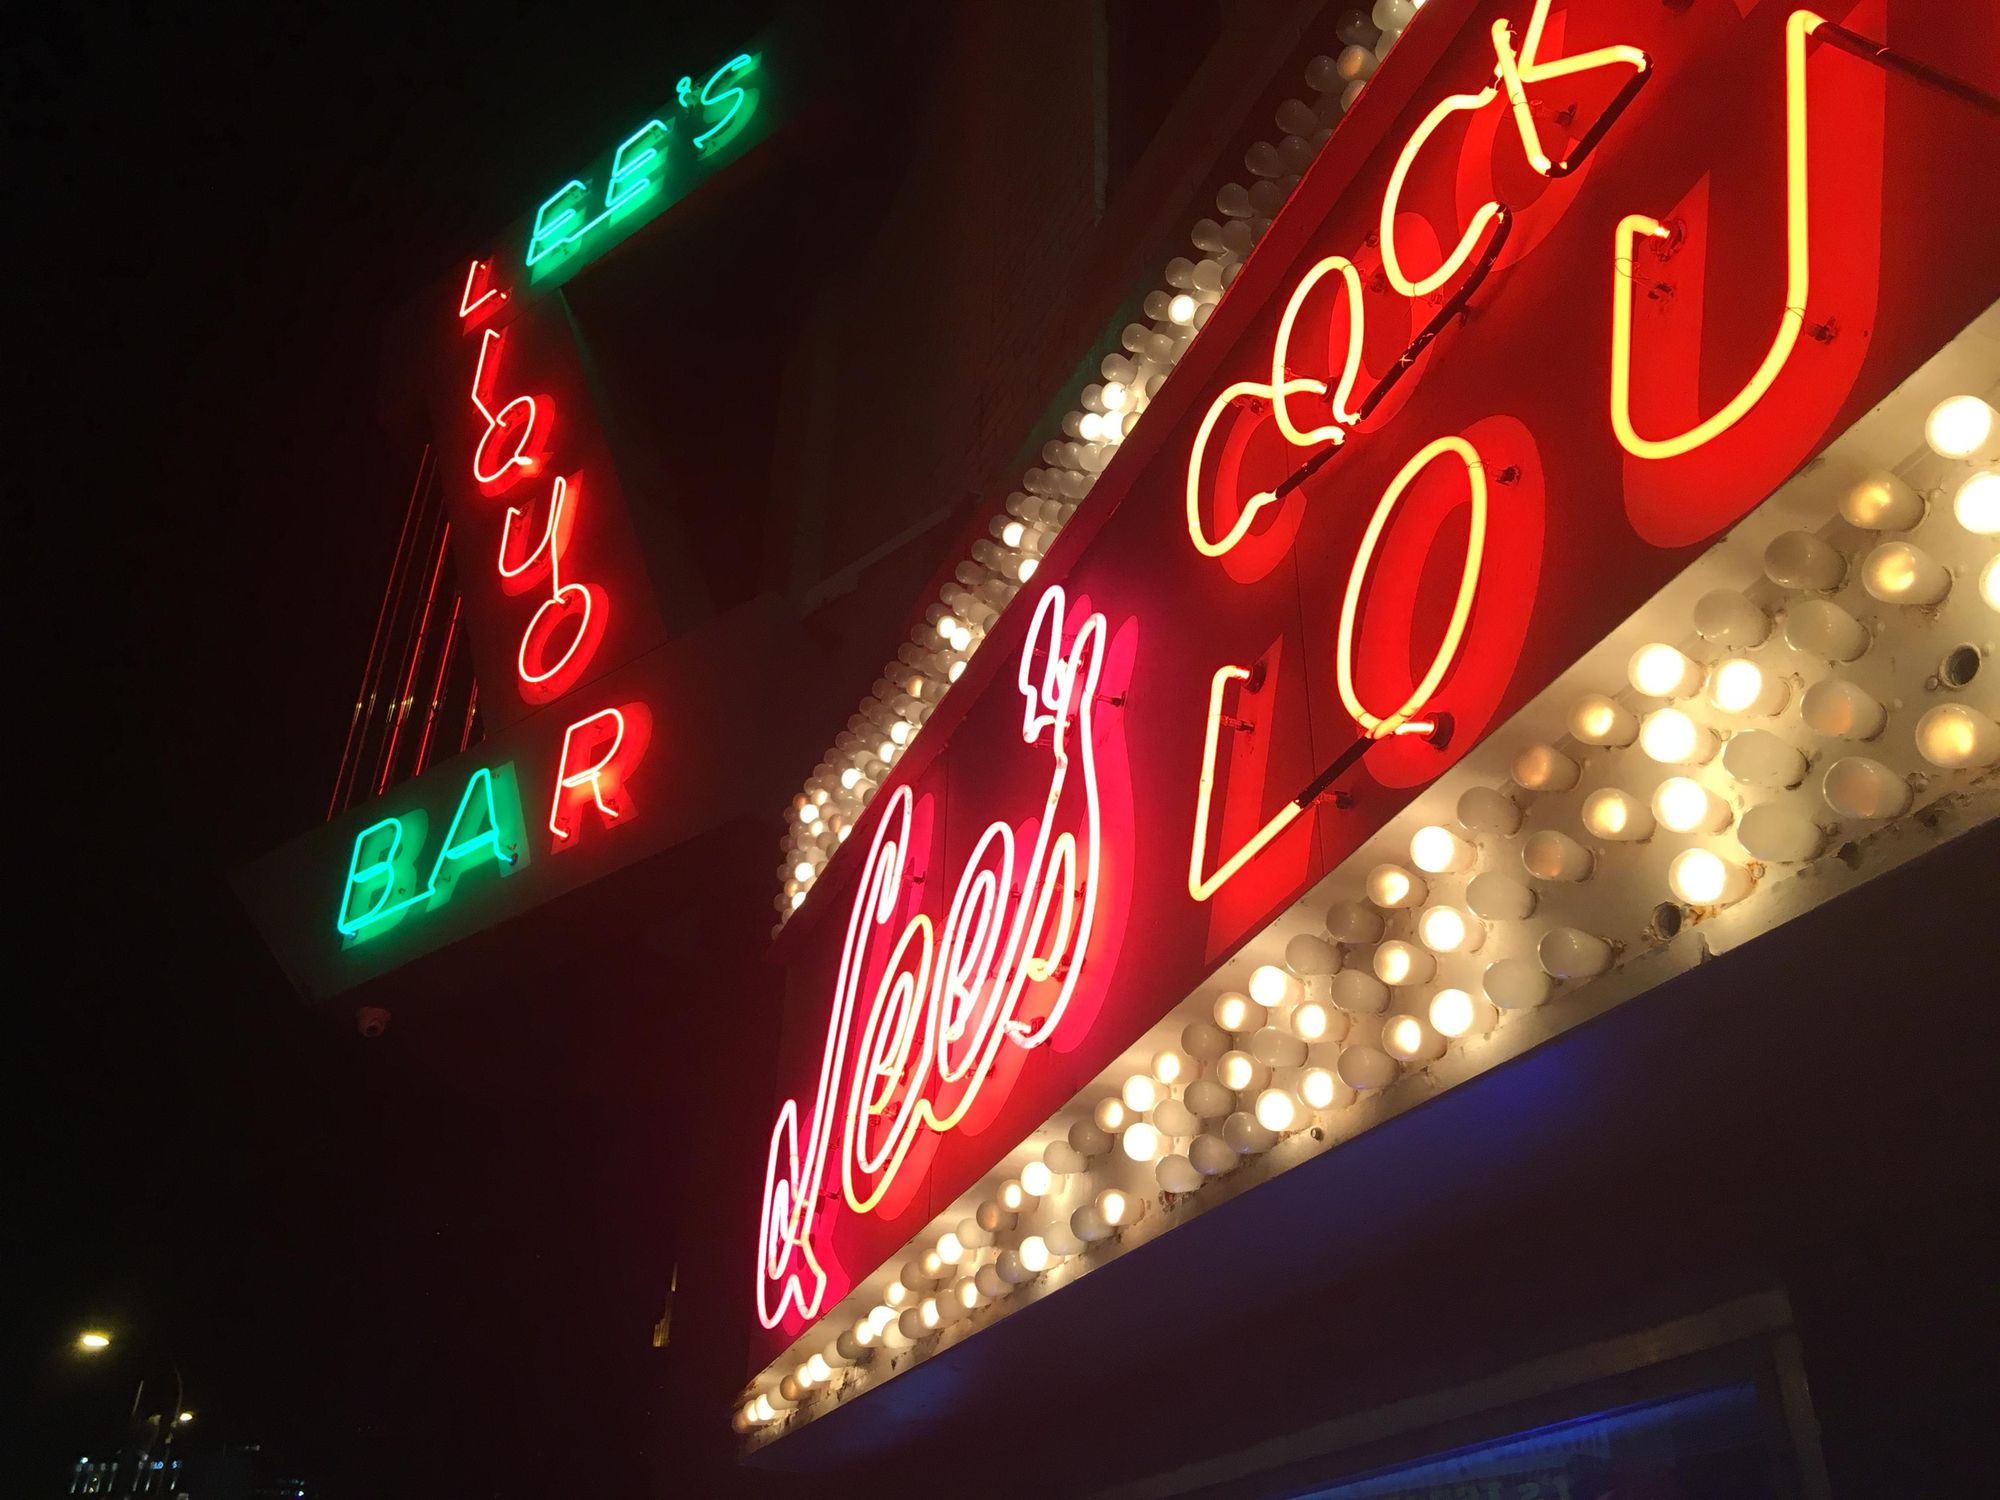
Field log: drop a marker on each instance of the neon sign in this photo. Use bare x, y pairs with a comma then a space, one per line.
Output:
943, 1002
638, 174
381, 889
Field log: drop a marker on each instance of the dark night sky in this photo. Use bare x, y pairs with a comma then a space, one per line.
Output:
220, 212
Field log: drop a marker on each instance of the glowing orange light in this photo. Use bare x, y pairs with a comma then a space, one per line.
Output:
947, 999
1516, 72
1798, 278
1400, 720
490, 299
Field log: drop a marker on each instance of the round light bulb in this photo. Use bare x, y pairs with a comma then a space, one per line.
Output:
1208, 1100
1989, 583
1311, 956
1571, 953
1270, 986
1277, 1110
1353, 922
1483, 810
1275, 1048
1212, 1156
1499, 898
1617, 816
1087, 1140
1171, 1067
1406, 1038
1803, 560
1726, 618
1141, 1141
1598, 720
1362, 1067
1701, 877
1660, 671
1543, 768
1173, 1118
1963, 427
1673, 739
1312, 1022
1955, 736
1758, 757
1398, 963
1436, 850
1116, 1207
1977, 503
1036, 1180
1245, 1135
1234, 1012
1359, 992
1204, 1041
1551, 855
1446, 929
1238, 1071
1858, 787
1740, 686
1881, 502
1111, 1115
1392, 886
1516, 984
1454, 1013
1320, 1089
1013, 1196
1180, 309
1840, 710
1779, 832
1684, 805
1898, 573
1141, 1093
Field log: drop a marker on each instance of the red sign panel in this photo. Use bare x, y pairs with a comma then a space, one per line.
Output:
1571, 290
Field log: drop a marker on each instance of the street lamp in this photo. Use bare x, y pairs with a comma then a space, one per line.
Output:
183, 1419
91, 1340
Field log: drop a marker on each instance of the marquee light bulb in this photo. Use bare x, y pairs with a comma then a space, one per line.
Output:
1116, 394
1673, 739
950, 1248
1239, 1071
1270, 985
802, 871
1552, 855
808, 814
1446, 929
896, 1295
1842, 711
932, 1264
1726, 618
1173, 1118
1320, 1089
819, 1369
1036, 1180
1543, 768
1171, 1067
1572, 953
1392, 887
1963, 427
1406, 1038
1111, 1115
1499, 898
1516, 984
1180, 309
1617, 816
1177, 1174
1858, 787
1312, 1022
1804, 560
1311, 957
1362, 1067
1245, 1135
1454, 1013
1034, 1253
1140, 1093
1758, 757
1660, 671
1740, 686
1779, 832
1277, 1049
1398, 963
1353, 922
1881, 502
1483, 810
1898, 573
850, 778
1235, 1012
1598, 720
1954, 736
968, 1293
1087, 1140
1684, 805
1208, 1100
1278, 1110
1117, 1207
1212, 1156
1989, 583
1701, 877
1821, 628
1436, 850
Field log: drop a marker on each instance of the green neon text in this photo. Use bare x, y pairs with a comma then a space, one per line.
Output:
720, 109
381, 885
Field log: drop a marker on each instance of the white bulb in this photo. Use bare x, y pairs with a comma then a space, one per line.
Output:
1277, 1049
1598, 720
1036, 1180
1320, 1089
1989, 583
1740, 686
1660, 671
1397, 963
1277, 1110
1359, 992
966, 1290
1552, 855
1208, 1099
1618, 816
1858, 787
1516, 984
897, 1294
1110, 1115
1245, 1135
1543, 768
1353, 922
1819, 627
1954, 736
802, 871
1392, 886
1686, 806
1309, 956
1211, 1156
1234, 1012
1842, 711
1312, 1022
1407, 1039
1499, 898
1270, 985
1963, 427
1483, 810
1087, 1140
1204, 1041
1171, 1067
1726, 618
1180, 309
1446, 929
1702, 877
1898, 573
1363, 1067
1673, 739
1436, 850
1141, 1093
1117, 1207
1571, 953
850, 778
1454, 1014
1034, 1253
1177, 1174
1115, 395
1803, 560
1013, 1196
1087, 1224
808, 814
950, 1248
1881, 502
1175, 1119
1238, 1071
1780, 832
1758, 757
